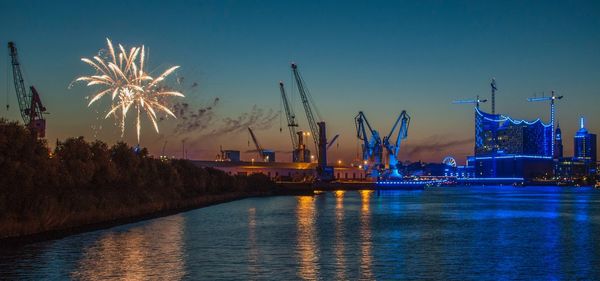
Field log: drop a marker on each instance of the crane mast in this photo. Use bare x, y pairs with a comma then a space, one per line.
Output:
312, 123
494, 89
291, 117
30, 104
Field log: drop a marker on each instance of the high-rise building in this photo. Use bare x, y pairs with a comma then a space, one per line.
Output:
558, 145
584, 147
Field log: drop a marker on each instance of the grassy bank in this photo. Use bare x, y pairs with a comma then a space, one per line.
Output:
84, 183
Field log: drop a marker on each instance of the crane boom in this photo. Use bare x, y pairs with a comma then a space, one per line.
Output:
22, 97
312, 123
404, 120
371, 148
259, 148
332, 141
291, 117
394, 149
30, 104
476, 101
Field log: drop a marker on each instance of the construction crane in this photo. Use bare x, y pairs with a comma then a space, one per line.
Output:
291, 117
259, 149
552, 99
394, 148
30, 104
372, 150
476, 101
494, 89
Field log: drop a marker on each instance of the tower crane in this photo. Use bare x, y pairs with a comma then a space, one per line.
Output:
552, 99
291, 117
372, 150
394, 148
475, 101
259, 149
30, 104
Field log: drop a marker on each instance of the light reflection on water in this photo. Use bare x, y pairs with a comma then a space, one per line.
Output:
307, 247
439, 234
132, 255
366, 257
339, 245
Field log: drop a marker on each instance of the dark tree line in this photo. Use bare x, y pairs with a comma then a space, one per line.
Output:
81, 182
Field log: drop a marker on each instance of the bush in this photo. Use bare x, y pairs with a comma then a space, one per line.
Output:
81, 179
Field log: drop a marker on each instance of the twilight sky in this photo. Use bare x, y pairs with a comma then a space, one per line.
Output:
377, 56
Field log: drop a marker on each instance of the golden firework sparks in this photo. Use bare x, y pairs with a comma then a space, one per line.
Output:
121, 75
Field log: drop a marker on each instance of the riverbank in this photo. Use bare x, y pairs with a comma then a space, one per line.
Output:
83, 185
140, 213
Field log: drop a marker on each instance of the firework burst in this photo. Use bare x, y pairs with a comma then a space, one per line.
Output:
122, 77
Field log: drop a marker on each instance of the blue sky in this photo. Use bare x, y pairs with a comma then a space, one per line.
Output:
377, 56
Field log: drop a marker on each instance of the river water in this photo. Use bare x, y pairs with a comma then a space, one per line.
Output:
458, 233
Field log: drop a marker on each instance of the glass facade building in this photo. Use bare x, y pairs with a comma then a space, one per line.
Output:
510, 148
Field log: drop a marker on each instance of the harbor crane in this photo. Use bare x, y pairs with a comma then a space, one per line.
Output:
475, 101
317, 130
291, 117
372, 151
394, 148
312, 123
259, 149
552, 99
373, 145
264, 154
30, 104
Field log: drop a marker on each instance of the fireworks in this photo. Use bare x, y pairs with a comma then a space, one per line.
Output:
121, 76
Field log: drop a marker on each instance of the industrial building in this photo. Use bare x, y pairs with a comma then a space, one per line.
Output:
283, 171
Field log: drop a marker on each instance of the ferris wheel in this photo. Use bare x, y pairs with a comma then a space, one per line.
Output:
450, 161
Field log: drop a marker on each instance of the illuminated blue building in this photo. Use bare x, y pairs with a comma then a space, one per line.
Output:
558, 144
507, 148
585, 148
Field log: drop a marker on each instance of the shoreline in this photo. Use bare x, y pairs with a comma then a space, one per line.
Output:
170, 209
